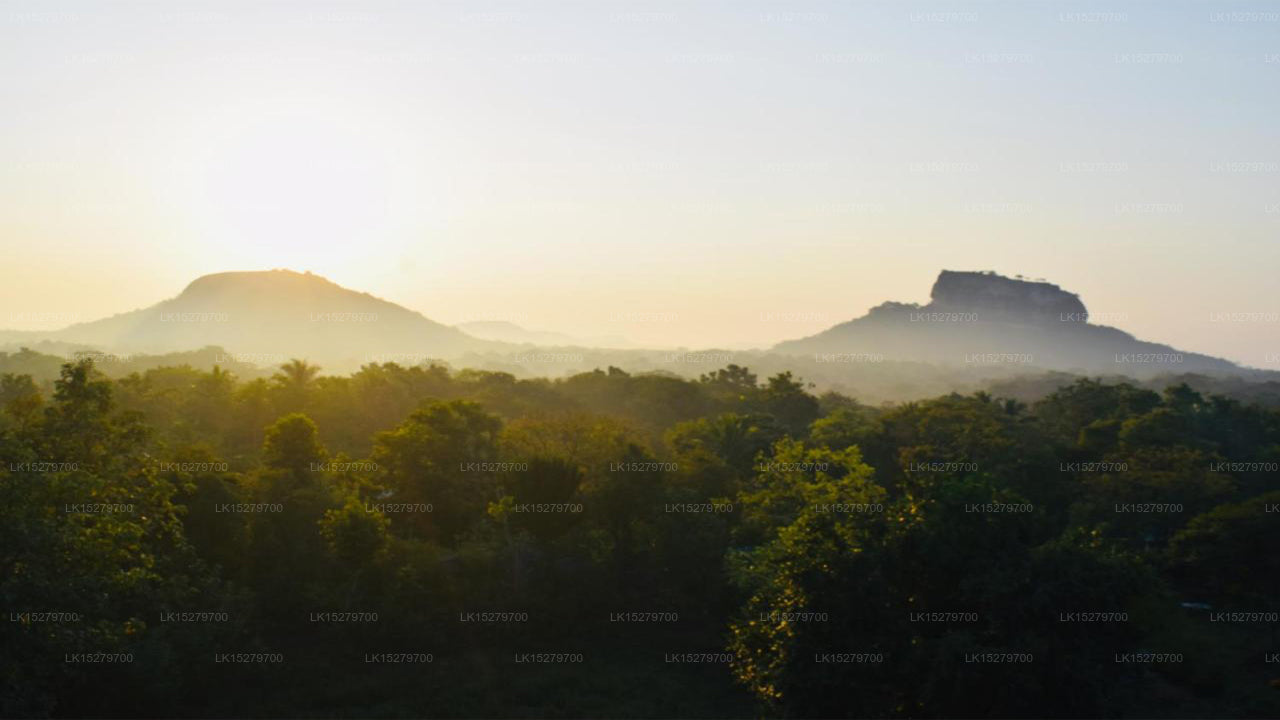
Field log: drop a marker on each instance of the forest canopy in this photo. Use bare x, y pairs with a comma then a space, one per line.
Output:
422, 541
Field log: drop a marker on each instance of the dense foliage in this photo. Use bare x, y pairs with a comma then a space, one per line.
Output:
416, 541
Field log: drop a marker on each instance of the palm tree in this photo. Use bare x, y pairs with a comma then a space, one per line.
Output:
296, 374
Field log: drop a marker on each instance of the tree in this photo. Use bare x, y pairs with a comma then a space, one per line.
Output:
786, 400
293, 384
357, 539
733, 377
1228, 554
905, 596
296, 374
736, 440
844, 427
292, 445
288, 497
442, 455
20, 402
88, 529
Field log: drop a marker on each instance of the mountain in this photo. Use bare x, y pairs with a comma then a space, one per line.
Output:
981, 318
502, 331
269, 317
977, 328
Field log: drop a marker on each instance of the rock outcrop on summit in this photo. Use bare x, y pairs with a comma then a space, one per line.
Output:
1000, 299
980, 318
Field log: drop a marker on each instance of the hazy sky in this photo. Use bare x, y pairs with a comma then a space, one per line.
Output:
701, 174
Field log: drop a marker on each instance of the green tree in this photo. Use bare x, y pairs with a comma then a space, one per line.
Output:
442, 456
294, 383
736, 440
786, 399
293, 446
87, 529
1228, 554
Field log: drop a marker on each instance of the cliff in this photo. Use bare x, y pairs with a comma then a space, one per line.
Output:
997, 298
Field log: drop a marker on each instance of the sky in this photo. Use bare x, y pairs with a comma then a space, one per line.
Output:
699, 174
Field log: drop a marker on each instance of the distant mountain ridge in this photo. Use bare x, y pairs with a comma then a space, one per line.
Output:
503, 331
982, 324
985, 318
276, 314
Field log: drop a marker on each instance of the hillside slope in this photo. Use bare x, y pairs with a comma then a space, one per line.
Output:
273, 314
982, 318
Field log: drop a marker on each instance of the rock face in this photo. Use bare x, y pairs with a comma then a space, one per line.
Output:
1000, 299
984, 318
